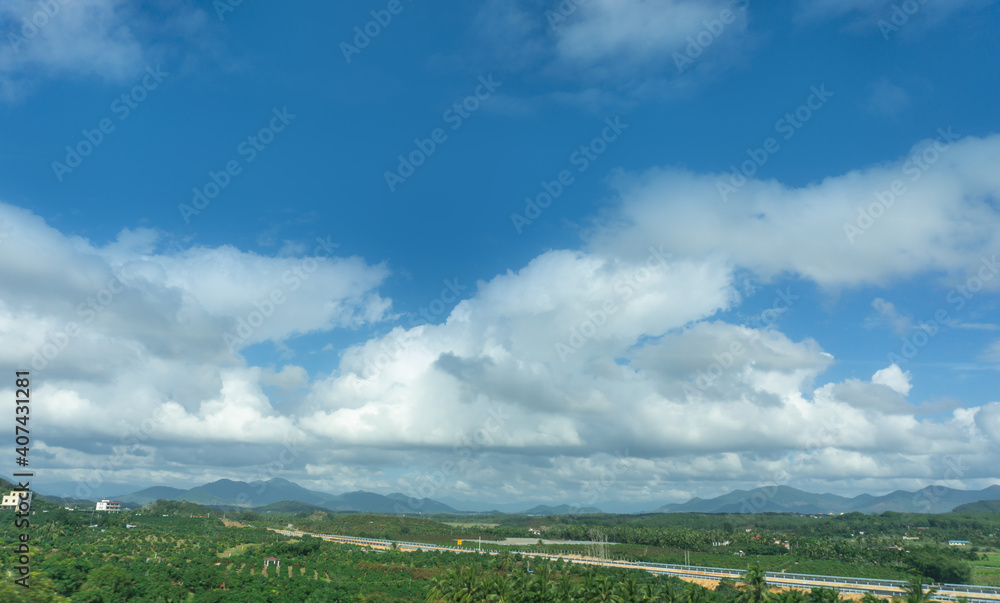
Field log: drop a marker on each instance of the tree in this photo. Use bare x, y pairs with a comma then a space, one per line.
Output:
41, 590
106, 584
823, 595
505, 560
502, 590
792, 596
603, 592
629, 590
916, 593
755, 588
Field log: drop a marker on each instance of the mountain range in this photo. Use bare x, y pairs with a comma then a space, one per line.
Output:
229, 493
281, 495
784, 499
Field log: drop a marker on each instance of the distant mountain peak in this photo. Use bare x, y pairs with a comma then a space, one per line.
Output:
786, 499
282, 493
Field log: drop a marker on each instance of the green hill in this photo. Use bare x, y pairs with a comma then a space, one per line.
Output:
560, 510
982, 506
290, 506
176, 508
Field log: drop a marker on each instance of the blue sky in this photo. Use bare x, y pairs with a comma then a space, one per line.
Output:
643, 109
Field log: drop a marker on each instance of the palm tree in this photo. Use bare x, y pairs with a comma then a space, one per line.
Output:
455, 586
695, 594
470, 588
823, 595
438, 588
565, 589
755, 588
915, 592
502, 590
870, 598
543, 588
652, 593
676, 592
629, 590
792, 596
603, 592
505, 560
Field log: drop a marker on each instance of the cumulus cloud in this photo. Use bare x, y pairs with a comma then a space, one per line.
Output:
612, 32
888, 315
609, 52
894, 378
610, 360
119, 333
824, 231
109, 39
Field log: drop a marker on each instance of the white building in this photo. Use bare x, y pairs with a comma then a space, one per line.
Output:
109, 505
12, 500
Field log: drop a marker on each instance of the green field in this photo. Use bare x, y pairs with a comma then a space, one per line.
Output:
173, 552
987, 572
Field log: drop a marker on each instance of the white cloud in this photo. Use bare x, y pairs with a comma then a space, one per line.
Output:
609, 52
866, 14
944, 222
889, 316
887, 99
894, 378
992, 353
538, 378
118, 334
109, 39
610, 32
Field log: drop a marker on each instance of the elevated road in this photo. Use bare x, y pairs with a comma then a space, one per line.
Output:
880, 588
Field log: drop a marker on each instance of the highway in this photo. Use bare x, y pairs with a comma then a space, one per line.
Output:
881, 588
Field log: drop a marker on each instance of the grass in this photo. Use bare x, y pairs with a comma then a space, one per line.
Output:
992, 560
238, 550
473, 524
986, 572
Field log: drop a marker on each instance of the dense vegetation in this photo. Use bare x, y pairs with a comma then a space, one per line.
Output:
175, 551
